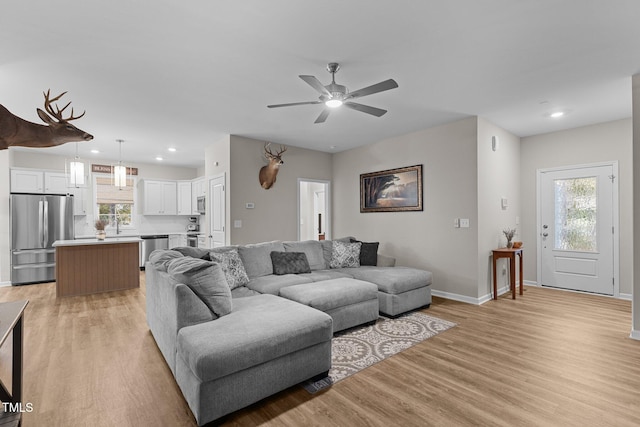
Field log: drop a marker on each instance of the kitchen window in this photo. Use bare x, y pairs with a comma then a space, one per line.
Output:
113, 204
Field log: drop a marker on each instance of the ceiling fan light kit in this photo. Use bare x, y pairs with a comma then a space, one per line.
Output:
334, 95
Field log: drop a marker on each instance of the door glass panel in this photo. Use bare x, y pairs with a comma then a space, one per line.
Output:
576, 214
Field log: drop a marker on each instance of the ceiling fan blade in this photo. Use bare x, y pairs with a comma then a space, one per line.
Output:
369, 90
365, 109
294, 103
323, 116
315, 83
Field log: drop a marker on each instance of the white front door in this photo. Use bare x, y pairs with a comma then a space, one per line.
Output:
217, 212
577, 232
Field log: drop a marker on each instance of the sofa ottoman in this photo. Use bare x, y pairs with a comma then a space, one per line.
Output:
349, 302
401, 289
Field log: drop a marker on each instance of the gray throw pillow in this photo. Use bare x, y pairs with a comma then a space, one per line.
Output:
289, 263
345, 254
206, 280
232, 267
161, 257
368, 252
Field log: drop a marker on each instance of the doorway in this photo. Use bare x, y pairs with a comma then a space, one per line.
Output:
217, 209
313, 210
578, 228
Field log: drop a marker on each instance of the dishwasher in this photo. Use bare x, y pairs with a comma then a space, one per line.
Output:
149, 244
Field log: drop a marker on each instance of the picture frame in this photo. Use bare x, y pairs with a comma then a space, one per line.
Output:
392, 190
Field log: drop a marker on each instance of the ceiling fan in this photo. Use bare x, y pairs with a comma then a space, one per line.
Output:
334, 95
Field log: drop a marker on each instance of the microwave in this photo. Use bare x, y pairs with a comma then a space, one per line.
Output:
201, 205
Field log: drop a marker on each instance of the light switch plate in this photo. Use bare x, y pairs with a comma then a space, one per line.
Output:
237, 223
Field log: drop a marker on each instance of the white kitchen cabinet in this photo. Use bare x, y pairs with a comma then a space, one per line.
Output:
79, 201
203, 241
160, 198
55, 183
198, 188
184, 198
35, 181
177, 240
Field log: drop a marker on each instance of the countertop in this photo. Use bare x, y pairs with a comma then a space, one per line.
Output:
86, 242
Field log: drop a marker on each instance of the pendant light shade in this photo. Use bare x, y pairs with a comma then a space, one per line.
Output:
119, 172
75, 171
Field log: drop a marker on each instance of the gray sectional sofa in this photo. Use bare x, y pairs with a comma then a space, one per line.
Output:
260, 318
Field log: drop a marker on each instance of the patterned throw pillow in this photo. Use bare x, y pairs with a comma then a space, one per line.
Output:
232, 267
345, 254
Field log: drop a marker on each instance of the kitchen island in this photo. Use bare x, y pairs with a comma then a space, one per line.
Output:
90, 266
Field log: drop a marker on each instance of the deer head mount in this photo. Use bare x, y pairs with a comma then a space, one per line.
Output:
15, 131
269, 172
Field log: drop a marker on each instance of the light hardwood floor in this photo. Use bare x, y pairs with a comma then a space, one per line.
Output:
550, 358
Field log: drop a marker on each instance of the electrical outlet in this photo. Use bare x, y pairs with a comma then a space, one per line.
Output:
464, 222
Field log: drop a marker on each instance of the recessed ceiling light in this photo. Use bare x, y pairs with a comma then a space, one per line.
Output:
556, 114
159, 158
172, 149
94, 151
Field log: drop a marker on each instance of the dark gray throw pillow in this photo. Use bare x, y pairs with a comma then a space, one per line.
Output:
368, 252
290, 263
206, 279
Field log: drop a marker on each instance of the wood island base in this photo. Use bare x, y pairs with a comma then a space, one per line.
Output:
93, 268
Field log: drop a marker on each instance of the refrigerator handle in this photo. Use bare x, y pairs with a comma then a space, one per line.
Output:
46, 224
41, 221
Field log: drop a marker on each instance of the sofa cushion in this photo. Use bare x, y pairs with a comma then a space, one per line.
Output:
260, 328
368, 252
232, 267
205, 279
161, 257
321, 275
312, 249
257, 258
243, 292
327, 248
393, 280
289, 263
193, 252
331, 294
272, 284
345, 254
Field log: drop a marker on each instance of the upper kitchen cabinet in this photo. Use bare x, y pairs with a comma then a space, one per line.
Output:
159, 198
198, 188
184, 198
35, 181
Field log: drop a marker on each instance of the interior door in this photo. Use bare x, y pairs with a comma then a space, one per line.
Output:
576, 230
217, 212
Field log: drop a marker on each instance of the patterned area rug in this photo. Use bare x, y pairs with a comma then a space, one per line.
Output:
359, 348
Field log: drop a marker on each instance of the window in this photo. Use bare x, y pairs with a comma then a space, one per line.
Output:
114, 205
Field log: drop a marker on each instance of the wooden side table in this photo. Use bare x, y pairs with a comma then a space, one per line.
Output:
510, 254
11, 315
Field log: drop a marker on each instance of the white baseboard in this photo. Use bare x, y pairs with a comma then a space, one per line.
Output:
3, 284
627, 297
466, 299
635, 335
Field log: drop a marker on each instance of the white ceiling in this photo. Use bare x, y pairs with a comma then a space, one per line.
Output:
166, 73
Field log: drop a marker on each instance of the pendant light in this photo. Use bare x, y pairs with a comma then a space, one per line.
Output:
119, 177
75, 171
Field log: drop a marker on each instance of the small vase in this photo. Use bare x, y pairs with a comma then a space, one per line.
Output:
100, 235
509, 244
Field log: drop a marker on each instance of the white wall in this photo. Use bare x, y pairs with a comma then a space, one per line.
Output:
498, 177
275, 216
589, 144
217, 162
424, 239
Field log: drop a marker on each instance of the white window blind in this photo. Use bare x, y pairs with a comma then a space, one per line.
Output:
107, 193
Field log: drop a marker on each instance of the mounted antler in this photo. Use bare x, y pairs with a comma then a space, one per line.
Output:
269, 172
15, 131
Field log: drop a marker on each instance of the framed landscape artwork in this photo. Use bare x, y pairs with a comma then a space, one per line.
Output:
393, 190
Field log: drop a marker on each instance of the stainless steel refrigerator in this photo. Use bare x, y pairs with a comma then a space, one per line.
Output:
36, 222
